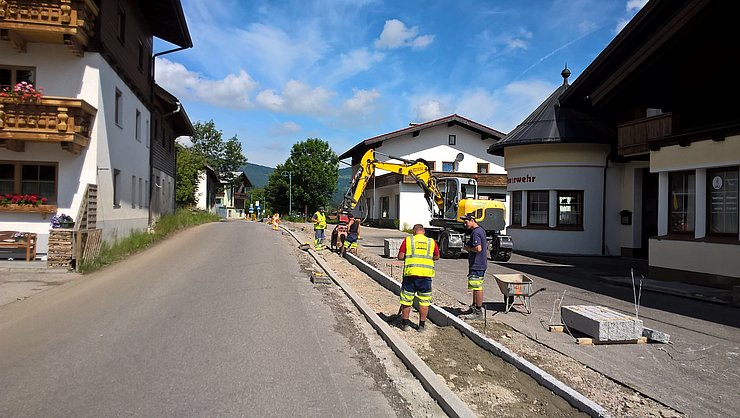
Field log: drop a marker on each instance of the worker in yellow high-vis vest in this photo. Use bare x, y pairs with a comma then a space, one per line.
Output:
418, 253
319, 226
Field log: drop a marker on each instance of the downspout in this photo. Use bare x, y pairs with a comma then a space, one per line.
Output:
151, 132
603, 206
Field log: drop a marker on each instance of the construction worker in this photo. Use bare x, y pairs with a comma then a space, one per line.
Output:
477, 248
275, 221
353, 233
418, 253
319, 226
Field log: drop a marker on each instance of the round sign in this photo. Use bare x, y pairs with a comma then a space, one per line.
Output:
717, 182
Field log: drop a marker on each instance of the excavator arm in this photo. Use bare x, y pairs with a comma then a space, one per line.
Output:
417, 169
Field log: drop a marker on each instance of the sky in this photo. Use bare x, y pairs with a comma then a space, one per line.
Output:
273, 73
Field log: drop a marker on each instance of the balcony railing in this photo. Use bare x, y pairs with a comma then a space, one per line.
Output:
68, 22
54, 119
633, 136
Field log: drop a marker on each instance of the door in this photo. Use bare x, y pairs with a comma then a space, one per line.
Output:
649, 211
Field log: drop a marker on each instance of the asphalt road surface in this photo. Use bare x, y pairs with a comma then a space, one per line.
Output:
219, 320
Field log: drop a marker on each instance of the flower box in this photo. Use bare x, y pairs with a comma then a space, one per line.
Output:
28, 208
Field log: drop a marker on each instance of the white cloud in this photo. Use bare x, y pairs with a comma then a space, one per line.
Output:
355, 62
395, 35
478, 105
285, 128
516, 43
361, 103
297, 97
635, 5
429, 110
232, 91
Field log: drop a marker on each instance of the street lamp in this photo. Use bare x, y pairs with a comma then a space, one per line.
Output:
290, 190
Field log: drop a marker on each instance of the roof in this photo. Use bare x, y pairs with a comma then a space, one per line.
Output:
451, 120
181, 124
553, 123
235, 175
167, 21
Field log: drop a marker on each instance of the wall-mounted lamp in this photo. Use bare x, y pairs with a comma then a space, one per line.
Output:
625, 217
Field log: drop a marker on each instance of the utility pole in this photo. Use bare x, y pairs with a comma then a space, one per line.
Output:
289, 174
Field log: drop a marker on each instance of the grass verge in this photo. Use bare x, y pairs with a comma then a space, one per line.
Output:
137, 241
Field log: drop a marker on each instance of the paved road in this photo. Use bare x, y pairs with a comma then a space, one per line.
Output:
699, 373
215, 321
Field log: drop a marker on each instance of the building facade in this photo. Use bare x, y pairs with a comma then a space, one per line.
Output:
660, 149
452, 146
85, 146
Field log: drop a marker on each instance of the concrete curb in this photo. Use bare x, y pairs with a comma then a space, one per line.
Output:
445, 397
443, 318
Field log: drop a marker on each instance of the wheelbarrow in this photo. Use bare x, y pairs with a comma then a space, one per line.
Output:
517, 289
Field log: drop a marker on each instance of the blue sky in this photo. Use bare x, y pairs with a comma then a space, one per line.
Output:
274, 73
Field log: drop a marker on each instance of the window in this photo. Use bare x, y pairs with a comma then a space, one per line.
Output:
10, 76
148, 134
140, 63
722, 201
482, 168
538, 205
118, 107
116, 188
121, 26
29, 178
138, 126
432, 165
448, 167
570, 208
385, 207
682, 202
141, 193
452, 140
133, 192
516, 208
147, 193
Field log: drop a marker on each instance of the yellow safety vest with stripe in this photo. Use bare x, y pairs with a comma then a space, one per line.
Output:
419, 259
321, 218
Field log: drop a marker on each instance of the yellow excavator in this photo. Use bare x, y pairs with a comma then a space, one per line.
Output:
448, 198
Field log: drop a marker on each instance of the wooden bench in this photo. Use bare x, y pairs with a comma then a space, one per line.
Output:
8, 239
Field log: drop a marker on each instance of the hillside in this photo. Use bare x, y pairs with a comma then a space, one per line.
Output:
259, 175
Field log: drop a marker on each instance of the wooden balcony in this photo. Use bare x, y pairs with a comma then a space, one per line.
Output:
633, 136
67, 22
53, 120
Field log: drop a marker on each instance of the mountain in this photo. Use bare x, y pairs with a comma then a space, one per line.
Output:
257, 174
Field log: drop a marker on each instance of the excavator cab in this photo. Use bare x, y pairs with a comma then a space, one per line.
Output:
454, 190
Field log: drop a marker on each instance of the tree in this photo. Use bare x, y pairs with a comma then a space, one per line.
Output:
313, 167
189, 165
223, 157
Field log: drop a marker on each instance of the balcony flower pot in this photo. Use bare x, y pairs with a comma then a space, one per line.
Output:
28, 208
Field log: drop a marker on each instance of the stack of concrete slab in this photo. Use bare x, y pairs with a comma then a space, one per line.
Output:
391, 246
601, 323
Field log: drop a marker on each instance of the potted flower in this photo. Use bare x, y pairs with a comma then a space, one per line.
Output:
61, 220
21, 199
22, 92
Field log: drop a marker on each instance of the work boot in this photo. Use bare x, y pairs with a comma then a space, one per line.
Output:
405, 325
475, 313
422, 328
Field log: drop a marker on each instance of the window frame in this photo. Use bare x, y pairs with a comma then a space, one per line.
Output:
118, 108
579, 212
14, 74
690, 182
137, 131
18, 177
116, 188
452, 166
452, 140
530, 211
385, 207
486, 165
516, 207
432, 165
711, 173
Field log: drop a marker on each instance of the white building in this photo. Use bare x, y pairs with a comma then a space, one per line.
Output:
640, 157
452, 146
86, 145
